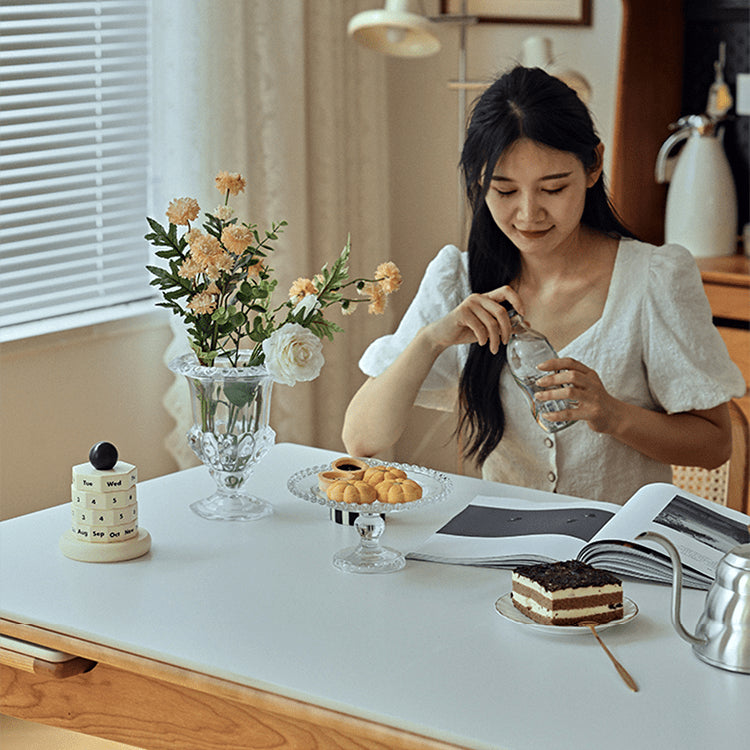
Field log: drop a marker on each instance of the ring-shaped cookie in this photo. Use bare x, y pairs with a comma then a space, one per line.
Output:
354, 468
326, 478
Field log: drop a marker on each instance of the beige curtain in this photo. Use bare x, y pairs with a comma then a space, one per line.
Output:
277, 91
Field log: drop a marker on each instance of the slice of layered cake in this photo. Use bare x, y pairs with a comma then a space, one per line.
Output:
566, 593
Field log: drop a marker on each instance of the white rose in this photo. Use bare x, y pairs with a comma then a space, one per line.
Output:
293, 353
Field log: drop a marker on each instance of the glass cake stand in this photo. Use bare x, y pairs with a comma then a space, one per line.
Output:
369, 556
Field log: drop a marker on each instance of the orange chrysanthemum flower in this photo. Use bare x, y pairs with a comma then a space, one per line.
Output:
388, 276
193, 235
204, 247
301, 288
183, 211
224, 213
190, 268
203, 303
377, 298
236, 238
232, 183
218, 262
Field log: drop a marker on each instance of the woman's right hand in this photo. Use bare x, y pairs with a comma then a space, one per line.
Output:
480, 318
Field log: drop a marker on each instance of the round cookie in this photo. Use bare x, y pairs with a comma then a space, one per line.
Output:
351, 491
398, 490
377, 474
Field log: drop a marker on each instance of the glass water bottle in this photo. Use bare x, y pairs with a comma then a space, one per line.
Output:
526, 349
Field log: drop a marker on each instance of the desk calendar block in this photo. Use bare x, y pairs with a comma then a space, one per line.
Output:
104, 534
103, 500
104, 510
121, 476
105, 518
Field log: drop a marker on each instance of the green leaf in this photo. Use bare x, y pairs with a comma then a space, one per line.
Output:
220, 315
177, 293
238, 393
155, 226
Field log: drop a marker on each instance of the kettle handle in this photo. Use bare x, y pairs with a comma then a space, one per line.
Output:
676, 585
660, 171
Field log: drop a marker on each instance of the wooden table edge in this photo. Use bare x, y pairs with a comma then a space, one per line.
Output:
271, 706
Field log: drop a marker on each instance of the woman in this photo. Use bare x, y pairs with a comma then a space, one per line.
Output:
648, 374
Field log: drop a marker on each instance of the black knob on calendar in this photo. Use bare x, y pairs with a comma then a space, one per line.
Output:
103, 455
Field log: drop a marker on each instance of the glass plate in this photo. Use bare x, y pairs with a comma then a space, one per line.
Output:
505, 608
369, 556
435, 486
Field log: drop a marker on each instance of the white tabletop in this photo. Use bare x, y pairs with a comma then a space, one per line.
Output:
423, 649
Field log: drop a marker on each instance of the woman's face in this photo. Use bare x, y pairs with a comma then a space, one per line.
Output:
537, 195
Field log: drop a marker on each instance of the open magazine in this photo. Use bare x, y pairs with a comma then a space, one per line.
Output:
505, 532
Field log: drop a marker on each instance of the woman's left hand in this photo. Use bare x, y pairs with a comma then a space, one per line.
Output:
571, 379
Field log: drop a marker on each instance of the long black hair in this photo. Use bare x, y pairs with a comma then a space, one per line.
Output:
523, 103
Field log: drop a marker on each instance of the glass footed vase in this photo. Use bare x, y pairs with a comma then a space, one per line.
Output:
230, 432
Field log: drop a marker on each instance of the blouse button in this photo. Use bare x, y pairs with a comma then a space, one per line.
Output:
548, 442
551, 476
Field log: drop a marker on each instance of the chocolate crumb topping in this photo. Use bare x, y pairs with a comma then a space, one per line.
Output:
568, 574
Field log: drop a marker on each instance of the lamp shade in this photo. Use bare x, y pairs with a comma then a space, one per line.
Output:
395, 30
536, 52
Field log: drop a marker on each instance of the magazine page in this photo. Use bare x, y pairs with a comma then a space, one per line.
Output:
702, 531
506, 531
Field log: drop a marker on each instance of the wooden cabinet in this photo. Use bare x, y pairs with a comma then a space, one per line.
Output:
727, 284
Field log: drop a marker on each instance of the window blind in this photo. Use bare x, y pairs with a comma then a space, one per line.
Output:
74, 156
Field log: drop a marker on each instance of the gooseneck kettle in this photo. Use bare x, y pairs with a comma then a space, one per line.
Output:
722, 636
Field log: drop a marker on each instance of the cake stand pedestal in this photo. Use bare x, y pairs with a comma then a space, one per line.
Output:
369, 555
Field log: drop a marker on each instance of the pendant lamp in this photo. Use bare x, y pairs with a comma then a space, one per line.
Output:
536, 52
397, 30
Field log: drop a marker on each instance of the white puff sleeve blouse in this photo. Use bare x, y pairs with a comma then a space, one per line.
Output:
654, 345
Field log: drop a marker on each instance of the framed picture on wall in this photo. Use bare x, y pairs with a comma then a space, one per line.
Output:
564, 12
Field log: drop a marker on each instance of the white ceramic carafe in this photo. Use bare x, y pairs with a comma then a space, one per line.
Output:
702, 199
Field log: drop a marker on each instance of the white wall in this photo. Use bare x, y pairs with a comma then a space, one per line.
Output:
60, 393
